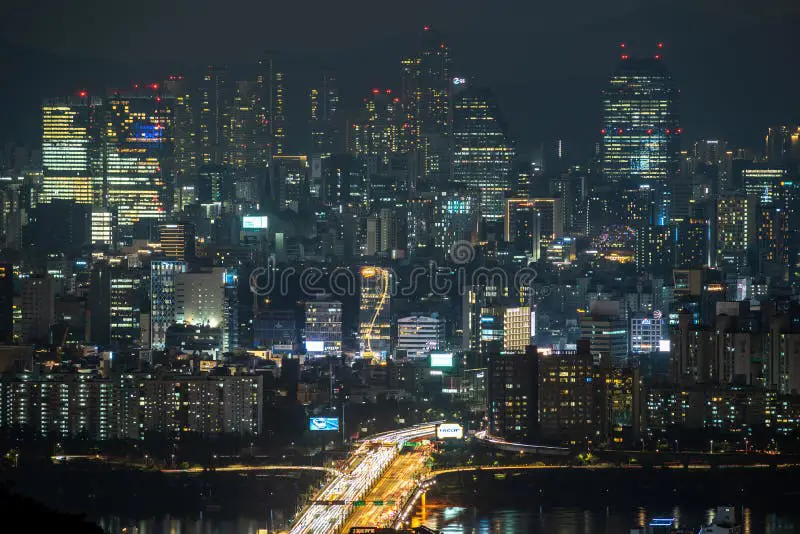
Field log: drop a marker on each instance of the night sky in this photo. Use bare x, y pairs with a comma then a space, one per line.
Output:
736, 62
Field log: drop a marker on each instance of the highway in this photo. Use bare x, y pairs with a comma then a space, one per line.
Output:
392, 491
365, 466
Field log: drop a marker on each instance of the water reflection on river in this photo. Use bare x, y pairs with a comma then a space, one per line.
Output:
458, 520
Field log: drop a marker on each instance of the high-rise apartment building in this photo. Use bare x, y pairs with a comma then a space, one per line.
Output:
513, 394
735, 230
6, 302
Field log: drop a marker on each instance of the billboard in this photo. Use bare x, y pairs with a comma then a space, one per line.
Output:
449, 431
323, 423
254, 222
441, 359
315, 346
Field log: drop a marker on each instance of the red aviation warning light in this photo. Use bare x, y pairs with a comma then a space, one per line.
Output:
82, 94
622, 45
660, 45
426, 28
625, 56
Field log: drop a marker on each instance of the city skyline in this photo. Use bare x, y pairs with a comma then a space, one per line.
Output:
553, 95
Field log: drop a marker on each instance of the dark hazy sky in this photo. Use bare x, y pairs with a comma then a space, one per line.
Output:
736, 62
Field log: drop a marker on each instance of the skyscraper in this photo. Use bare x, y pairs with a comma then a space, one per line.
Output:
735, 230
639, 123
136, 135
213, 116
640, 131
67, 144
272, 92
482, 151
375, 313
326, 130
6, 302
375, 134
513, 393
249, 142
425, 99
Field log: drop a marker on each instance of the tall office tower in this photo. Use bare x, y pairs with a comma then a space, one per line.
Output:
508, 325
115, 299
125, 295
327, 135
289, 181
735, 231
214, 104
272, 90
691, 240
199, 298
783, 145
68, 150
184, 132
177, 241
38, 307
762, 181
533, 223
136, 134
419, 335
343, 181
374, 329
420, 225
425, 99
249, 141
162, 299
323, 330
567, 409
513, 393
103, 222
409, 101
607, 331
375, 134
434, 84
230, 310
640, 130
482, 151
6, 302
569, 187
373, 237
214, 184
457, 218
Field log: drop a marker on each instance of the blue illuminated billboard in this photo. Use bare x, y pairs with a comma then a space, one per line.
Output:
323, 423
